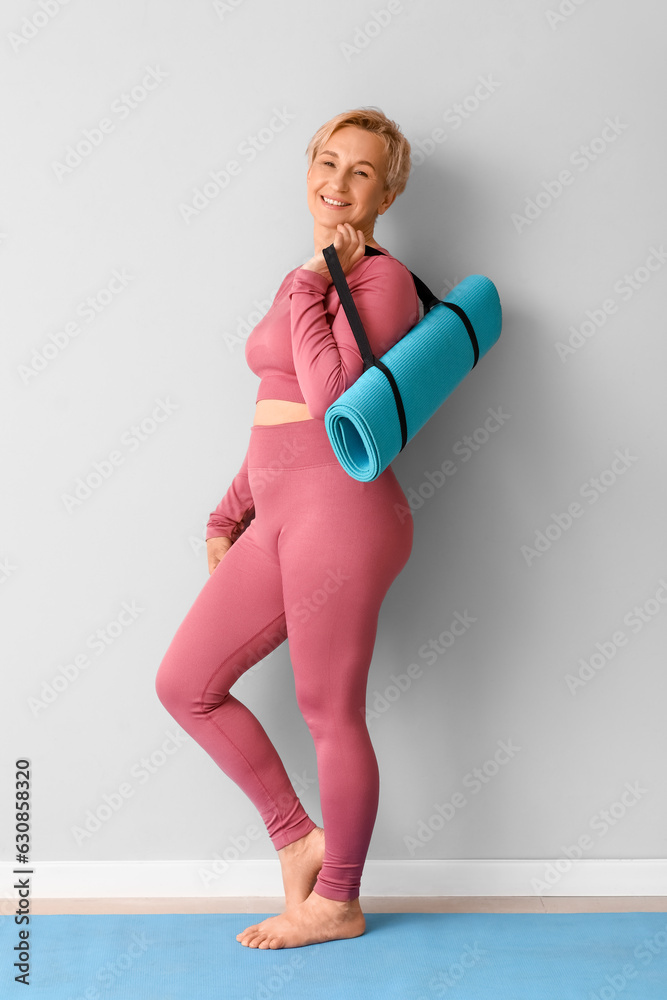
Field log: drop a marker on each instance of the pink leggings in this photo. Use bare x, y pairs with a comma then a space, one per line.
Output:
313, 566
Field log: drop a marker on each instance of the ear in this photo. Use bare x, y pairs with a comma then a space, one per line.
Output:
386, 202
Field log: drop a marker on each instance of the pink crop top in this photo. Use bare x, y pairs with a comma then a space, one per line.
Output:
304, 351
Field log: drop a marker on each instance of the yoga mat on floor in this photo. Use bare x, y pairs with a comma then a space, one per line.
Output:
401, 956
427, 364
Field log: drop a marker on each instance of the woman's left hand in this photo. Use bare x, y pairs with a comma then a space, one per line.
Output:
350, 246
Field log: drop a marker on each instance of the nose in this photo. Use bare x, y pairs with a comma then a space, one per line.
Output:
339, 180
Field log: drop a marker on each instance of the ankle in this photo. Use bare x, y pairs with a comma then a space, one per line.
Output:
296, 845
341, 904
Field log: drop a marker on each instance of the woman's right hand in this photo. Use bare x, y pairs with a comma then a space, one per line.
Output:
215, 549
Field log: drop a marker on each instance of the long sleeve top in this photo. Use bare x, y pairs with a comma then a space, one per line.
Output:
304, 351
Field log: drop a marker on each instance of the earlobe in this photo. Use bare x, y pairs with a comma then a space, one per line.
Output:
391, 199
384, 205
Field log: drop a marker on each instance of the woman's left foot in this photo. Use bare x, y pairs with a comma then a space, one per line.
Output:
300, 863
315, 920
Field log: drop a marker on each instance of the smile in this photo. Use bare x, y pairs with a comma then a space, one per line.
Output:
333, 203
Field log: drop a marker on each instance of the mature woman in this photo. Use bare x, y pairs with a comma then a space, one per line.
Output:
299, 549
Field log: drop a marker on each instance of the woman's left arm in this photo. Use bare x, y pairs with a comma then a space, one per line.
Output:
326, 356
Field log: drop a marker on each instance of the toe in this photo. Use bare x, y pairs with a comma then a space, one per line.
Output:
248, 930
247, 937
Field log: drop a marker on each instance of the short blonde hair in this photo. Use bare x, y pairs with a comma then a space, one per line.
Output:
397, 148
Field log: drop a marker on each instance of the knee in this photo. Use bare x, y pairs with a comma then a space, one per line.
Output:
324, 710
170, 688
315, 709
181, 692
163, 687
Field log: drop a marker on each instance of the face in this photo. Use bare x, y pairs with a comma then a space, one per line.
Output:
350, 168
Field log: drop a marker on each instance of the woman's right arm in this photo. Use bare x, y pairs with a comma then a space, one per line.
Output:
231, 517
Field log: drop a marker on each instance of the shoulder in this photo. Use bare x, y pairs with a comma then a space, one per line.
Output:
381, 264
382, 272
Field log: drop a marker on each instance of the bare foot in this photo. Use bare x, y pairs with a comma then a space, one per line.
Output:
315, 920
300, 863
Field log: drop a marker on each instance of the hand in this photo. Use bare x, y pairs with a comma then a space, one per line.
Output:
350, 246
215, 549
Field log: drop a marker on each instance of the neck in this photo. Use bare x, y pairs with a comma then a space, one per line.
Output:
323, 236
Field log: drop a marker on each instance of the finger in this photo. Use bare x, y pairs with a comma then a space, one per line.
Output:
341, 238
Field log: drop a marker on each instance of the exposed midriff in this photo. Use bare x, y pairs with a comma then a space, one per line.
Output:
279, 411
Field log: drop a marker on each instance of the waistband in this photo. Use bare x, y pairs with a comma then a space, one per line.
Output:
296, 444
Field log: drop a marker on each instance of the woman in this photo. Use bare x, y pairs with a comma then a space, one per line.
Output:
298, 548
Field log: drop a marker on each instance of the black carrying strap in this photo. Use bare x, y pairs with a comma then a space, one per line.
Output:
428, 299
423, 291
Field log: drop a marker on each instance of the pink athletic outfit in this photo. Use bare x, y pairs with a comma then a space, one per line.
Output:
314, 552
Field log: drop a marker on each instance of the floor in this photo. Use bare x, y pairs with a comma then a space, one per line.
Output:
369, 904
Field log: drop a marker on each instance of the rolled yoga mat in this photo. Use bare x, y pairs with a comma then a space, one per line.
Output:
427, 365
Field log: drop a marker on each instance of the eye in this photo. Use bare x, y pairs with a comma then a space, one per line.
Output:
328, 163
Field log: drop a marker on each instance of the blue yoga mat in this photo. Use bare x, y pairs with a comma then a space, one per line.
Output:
401, 956
427, 364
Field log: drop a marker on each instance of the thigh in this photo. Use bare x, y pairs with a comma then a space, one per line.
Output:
340, 552
237, 619
342, 538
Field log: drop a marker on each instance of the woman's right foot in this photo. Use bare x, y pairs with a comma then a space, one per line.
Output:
300, 863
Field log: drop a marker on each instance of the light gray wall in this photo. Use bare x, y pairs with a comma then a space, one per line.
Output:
547, 86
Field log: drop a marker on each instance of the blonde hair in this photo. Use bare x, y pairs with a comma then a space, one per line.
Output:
396, 146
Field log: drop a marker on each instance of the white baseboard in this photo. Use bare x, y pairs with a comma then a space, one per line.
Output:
218, 877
